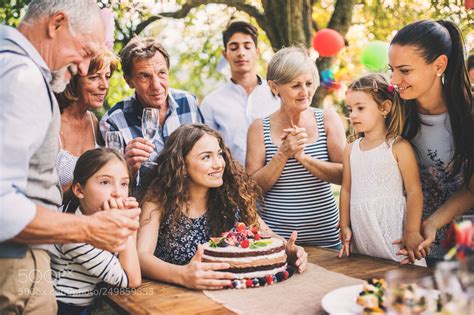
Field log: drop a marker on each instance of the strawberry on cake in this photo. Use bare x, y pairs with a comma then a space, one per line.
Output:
254, 258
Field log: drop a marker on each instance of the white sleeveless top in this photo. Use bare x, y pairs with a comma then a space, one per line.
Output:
66, 162
377, 203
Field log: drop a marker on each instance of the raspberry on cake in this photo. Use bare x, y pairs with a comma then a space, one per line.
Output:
254, 258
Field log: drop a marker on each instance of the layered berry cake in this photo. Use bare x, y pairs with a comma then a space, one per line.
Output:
254, 258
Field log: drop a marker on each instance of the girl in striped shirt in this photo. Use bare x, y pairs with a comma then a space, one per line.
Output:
101, 183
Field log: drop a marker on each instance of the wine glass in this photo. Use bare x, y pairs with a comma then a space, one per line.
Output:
150, 125
114, 140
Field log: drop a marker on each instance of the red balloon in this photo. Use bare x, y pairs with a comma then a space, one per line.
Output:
327, 42
469, 4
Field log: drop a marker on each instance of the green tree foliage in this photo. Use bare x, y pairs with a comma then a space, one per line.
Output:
11, 10
191, 30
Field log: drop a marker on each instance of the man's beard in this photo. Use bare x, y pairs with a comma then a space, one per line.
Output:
59, 82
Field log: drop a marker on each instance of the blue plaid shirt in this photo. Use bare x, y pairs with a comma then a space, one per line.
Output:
126, 117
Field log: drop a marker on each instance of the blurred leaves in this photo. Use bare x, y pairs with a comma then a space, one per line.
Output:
195, 41
11, 10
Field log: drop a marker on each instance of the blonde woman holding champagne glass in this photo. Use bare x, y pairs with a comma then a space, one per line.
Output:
79, 126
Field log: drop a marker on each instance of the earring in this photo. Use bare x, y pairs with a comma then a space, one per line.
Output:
443, 77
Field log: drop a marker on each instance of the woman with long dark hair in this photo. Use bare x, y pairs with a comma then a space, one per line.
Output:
427, 60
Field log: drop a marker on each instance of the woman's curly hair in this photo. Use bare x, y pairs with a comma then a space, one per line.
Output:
167, 184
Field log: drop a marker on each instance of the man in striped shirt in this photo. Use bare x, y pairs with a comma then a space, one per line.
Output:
145, 65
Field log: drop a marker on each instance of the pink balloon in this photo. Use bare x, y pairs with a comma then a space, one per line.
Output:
327, 42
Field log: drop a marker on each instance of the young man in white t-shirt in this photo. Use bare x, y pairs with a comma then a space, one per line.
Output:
245, 97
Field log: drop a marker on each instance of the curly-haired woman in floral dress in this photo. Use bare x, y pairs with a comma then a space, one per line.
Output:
196, 191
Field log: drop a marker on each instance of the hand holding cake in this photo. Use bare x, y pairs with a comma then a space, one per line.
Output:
205, 275
297, 256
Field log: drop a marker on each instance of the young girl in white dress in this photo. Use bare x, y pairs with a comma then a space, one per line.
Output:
381, 199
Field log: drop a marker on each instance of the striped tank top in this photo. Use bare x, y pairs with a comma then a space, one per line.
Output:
299, 201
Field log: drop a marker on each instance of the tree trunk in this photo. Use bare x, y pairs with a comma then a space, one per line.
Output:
287, 23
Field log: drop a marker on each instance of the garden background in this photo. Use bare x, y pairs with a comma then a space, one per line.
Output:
191, 31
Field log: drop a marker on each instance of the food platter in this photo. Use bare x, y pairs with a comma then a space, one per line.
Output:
343, 300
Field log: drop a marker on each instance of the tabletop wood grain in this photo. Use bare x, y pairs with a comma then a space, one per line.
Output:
154, 297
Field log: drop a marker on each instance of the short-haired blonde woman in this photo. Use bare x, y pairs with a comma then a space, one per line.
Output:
296, 152
79, 126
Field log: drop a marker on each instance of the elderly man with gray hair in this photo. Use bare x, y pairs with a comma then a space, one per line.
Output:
55, 40
146, 65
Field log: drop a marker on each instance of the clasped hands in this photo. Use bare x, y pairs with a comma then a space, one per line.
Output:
110, 228
293, 142
419, 245
120, 203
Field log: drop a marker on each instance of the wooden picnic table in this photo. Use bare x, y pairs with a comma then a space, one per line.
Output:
154, 297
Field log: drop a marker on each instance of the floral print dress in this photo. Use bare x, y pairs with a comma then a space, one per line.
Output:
177, 245
434, 145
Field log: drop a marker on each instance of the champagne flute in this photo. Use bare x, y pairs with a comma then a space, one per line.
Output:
114, 140
150, 125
